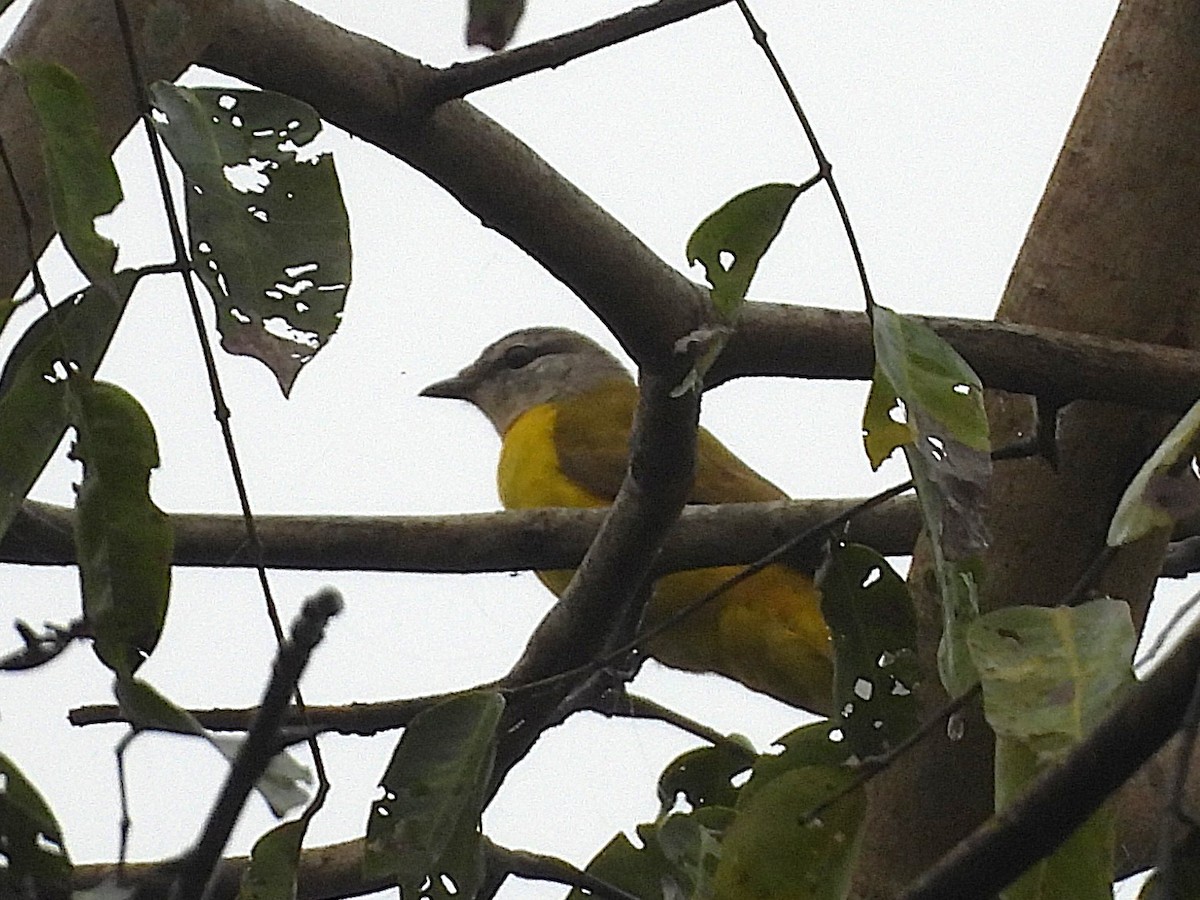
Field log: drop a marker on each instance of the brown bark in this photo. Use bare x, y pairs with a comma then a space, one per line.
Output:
1112, 250
170, 35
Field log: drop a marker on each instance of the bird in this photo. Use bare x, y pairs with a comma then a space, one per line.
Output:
563, 407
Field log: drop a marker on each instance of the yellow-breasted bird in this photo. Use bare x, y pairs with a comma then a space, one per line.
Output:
564, 407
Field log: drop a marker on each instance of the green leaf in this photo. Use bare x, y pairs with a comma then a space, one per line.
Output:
124, 543
772, 851
809, 745
82, 180
1165, 488
281, 785
425, 828
35, 856
705, 776
638, 870
691, 843
274, 248
927, 374
730, 242
491, 23
33, 413
271, 874
761, 846
925, 398
958, 588
1049, 676
874, 626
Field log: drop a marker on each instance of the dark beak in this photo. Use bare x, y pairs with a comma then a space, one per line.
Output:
456, 387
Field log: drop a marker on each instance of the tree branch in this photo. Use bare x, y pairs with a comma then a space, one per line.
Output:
477, 542
461, 79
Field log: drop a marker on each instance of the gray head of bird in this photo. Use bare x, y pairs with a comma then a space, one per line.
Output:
527, 368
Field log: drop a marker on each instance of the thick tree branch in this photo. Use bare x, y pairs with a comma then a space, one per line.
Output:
376, 94
603, 604
1056, 365
477, 542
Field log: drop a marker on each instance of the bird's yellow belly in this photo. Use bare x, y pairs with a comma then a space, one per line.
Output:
766, 632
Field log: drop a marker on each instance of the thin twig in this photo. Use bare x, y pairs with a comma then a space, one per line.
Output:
220, 407
824, 167
539, 867
460, 79
874, 767
639, 707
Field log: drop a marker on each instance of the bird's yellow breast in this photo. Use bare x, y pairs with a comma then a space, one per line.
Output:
766, 632
530, 474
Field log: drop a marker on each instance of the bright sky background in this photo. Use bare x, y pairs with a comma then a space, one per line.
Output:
942, 121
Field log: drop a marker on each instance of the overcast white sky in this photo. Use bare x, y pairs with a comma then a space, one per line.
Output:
942, 121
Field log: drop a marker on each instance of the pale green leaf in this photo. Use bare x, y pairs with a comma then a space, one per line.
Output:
1049, 676
1165, 488
926, 399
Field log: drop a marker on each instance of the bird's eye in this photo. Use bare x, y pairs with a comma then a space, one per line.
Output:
518, 356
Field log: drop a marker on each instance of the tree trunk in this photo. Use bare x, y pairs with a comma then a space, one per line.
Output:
1112, 250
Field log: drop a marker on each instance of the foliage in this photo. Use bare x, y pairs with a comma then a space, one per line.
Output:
269, 238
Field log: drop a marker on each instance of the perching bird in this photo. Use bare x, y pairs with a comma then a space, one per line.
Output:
564, 409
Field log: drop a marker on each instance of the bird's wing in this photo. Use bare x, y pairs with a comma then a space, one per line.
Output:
591, 437
723, 478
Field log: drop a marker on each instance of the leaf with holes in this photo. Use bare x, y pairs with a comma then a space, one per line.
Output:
424, 831
874, 627
925, 398
36, 863
920, 373
774, 851
33, 410
80, 176
730, 242
1165, 488
705, 776
808, 745
124, 543
1049, 676
492, 23
268, 229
